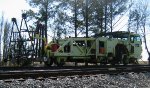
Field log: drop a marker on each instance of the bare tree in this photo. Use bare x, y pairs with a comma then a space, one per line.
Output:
6, 40
143, 23
139, 20
1, 28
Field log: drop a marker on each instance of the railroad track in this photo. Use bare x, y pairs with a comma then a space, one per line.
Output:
35, 72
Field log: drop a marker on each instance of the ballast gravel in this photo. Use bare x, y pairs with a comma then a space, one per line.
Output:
127, 80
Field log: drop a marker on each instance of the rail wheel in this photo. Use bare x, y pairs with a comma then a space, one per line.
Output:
133, 60
111, 59
125, 60
24, 61
59, 61
103, 60
49, 61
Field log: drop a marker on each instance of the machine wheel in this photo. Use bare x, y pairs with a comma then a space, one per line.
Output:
86, 63
49, 62
121, 53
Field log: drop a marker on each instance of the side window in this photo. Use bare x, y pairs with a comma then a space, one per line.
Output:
101, 47
67, 48
137, 38
79, 43
89, 43
101, 44
132, 39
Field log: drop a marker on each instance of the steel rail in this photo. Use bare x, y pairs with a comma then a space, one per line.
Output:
35, 72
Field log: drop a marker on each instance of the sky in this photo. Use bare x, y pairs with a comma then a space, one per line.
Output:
14, 8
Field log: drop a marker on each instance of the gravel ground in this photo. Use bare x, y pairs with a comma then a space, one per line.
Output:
129, 80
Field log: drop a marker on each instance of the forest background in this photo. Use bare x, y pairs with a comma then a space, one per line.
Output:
64, 18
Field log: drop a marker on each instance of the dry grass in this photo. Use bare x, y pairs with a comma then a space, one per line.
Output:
143, 62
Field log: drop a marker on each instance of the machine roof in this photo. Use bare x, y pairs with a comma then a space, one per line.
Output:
118, 34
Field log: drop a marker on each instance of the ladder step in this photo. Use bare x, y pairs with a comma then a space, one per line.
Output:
15, 32
28, 31
23, 29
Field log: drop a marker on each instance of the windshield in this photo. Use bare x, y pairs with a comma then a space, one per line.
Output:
135, 38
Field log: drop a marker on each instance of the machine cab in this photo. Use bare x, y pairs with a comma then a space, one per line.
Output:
135, 45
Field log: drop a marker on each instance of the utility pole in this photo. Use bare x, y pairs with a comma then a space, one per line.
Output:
46, 19
86, 11
105, 16
75, 18
111, 17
